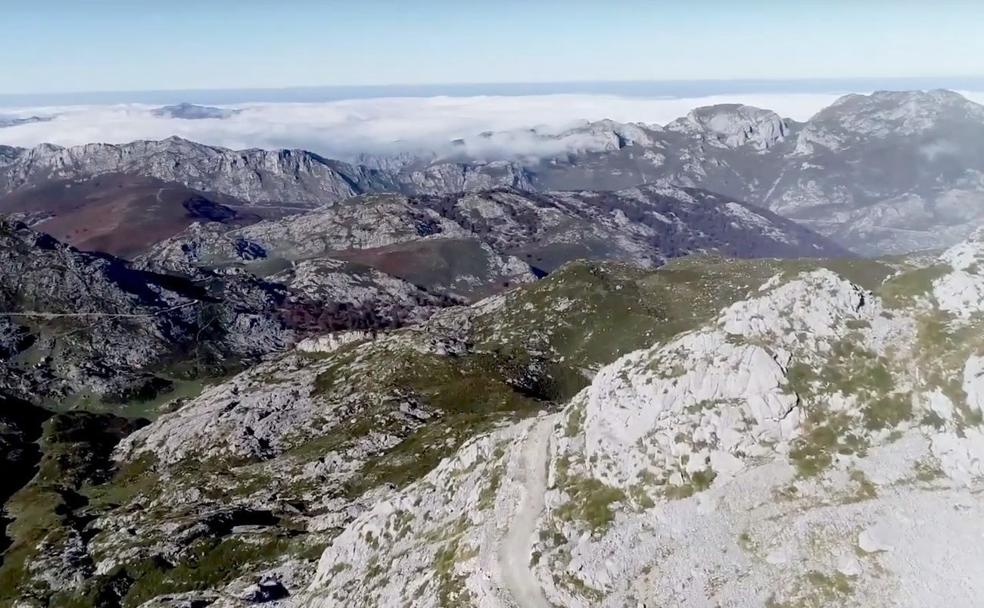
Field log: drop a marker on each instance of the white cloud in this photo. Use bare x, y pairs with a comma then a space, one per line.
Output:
342, 129
975, 96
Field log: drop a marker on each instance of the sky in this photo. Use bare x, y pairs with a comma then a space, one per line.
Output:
133, 45
380, 76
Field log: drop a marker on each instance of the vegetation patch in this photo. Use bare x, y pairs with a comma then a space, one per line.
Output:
825, 437
54, 507
451, 590
905, 288
575, 420
864, 488
817, 590
943, 347
695, 482
590, 502
207, 564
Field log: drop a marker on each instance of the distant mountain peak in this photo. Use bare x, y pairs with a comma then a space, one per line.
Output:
190, 111
16, 121
888, 113
734, 125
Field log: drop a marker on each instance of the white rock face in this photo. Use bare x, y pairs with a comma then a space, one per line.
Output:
734, 125
718, 385
973, 382
334, 281
896, 113
961, 291
683, 476
381, 221
331, 342
241, 418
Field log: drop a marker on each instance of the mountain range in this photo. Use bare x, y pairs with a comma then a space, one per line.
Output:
883, 173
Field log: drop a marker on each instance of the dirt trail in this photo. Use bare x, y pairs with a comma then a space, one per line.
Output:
516, 549
86, 315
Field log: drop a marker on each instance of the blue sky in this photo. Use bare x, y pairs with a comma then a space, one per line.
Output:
114, 45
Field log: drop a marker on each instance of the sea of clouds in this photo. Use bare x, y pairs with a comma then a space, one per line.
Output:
344, 129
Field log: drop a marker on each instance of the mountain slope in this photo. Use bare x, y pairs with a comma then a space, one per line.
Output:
884, 173
251, 479
472, 244
77, 326
119, 214
898, 170
804, 448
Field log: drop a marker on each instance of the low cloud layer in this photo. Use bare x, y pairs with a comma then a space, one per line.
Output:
343, 129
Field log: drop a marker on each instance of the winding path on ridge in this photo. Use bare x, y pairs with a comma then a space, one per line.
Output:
516, 549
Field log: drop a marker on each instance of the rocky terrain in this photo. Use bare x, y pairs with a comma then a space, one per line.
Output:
815, 444
92, 345
423, 381
609, 435
469, 245
86, 328
250, 481
890, 172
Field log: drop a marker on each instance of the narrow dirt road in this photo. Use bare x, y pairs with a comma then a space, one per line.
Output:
516, 549
96, 315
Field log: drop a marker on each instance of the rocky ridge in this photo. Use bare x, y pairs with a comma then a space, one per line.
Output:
293, 178
789, 452
889, 172
472, 244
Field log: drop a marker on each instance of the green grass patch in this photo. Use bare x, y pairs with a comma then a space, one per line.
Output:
826, 436
904, 289
205, 565
590, 502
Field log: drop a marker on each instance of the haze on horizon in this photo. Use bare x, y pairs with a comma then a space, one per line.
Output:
114, 45
319, 75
